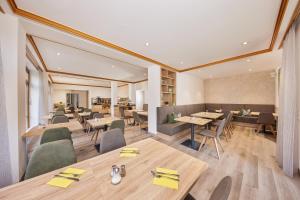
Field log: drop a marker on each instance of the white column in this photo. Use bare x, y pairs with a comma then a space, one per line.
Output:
131, 92
13, 47
154, 94
113, 96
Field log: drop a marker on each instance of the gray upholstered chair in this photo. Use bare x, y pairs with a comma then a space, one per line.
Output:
97, 115
215, 136
55, 134
123, 116
111, 140
118, 124
138, 121
221, 192
59, 113
50, 156
60, 119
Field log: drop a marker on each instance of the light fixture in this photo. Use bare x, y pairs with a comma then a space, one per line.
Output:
112, 66
248, 60
181, 62
58, 54
147, 43
245, 43
250, 70
59, 68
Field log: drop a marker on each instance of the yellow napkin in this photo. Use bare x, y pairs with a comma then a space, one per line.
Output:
63, 182
129, 155
165, 182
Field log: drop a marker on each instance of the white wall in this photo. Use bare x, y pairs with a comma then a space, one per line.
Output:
153, 91
13, 47
189, 89
59, 92
123, 91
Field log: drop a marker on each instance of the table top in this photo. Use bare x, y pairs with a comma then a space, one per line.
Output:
84, 114
193, 120
207, 115
39, 130
137, 184
48, 117
101, 121
254, 113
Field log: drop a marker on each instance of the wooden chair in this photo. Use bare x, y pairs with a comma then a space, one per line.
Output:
138, 121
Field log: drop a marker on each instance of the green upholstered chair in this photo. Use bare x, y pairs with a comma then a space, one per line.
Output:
60, 119
59, 113
118, 124
55, 134
50, 156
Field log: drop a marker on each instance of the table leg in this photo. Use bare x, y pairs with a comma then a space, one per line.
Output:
191, 143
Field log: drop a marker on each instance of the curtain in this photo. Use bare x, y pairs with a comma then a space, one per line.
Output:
5, 166
43, 97
288, 132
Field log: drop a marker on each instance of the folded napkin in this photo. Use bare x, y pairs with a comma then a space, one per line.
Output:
64, 182
164, 180
129, 152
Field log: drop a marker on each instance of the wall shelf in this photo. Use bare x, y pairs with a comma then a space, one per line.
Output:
168, 87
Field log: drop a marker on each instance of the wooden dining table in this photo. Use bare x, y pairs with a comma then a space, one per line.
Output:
95, 183
39, 130
191, 143
208, 115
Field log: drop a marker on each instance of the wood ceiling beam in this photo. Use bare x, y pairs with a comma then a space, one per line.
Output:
1, 10
87, 85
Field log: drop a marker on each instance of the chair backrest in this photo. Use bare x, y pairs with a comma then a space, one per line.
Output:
59, 119
59, 113
55, 134
136, 117
221, 127
111, 140
98, 115
80, 109
222, 191
50, 156
118, 124
122, 112
228, 119
92, 115
266, 118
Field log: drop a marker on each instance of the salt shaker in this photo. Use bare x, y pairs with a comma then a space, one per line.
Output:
115, 173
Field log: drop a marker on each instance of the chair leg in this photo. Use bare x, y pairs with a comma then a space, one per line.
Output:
93, 135
225, 133
216, 145
97, 136
203, 142
219, 141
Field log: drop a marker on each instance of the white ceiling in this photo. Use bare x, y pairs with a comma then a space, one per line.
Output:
77, 61
192, 31
263, 62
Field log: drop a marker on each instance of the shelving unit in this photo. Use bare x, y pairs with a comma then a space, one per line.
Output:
168, 87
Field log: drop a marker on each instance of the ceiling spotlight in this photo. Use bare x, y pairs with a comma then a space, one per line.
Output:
113, 66
59, 68
147, 43
181, 62
245, 43
248, 60
58, 54
250, 70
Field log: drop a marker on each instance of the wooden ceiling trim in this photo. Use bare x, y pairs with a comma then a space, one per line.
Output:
1, 10
294, 17
60, 83
141, 81
87, 76
30, 39
83, 35
32, 59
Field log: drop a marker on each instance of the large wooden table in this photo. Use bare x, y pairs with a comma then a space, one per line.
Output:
94, 123
137, 184
38, 130
208, 115
191, 143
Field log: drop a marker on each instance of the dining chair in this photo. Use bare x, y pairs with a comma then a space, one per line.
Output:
60, 119
87, 110
118, 124
138, 121
111, 140
80, 109
214, 135
59, 113
50, 156
221, 192
61, 108
124, 116
55, 134
96, 115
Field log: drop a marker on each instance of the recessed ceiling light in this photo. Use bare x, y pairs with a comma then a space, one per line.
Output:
147, 43
250, 70
113, 66
245, 43
58, 54
248, 60
181, 62
59, 68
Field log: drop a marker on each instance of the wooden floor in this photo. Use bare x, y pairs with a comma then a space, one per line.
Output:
248, 158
